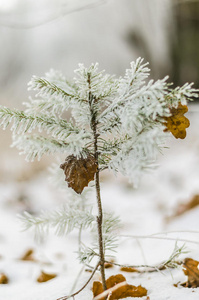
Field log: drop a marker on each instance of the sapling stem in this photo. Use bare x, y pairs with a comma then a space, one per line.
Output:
93, 125
130, 114
99, 225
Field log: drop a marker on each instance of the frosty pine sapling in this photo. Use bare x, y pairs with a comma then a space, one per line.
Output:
115, 124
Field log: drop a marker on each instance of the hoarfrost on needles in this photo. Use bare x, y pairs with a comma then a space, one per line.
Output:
130, 116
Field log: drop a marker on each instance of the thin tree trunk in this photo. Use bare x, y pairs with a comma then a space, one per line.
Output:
99, 225
93, 125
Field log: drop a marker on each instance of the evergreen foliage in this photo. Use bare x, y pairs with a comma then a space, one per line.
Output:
129, 112
129, 117
63, 221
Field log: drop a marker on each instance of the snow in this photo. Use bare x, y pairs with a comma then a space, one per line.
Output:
144, 211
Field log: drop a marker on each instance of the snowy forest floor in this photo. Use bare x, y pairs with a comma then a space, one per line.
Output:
155, 207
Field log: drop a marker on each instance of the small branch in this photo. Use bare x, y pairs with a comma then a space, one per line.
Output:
142, 251
102, 169
149, 268
76, 280
160, 238
82, 269
175, 231
83, 287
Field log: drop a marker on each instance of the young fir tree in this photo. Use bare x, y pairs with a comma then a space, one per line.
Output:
115, 124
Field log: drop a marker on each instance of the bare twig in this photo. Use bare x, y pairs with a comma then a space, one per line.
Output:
174, 231
148, 268
171, 262
160, 238
83, 287
76, 280
141, 250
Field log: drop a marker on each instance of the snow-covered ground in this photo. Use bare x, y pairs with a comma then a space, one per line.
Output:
149, 209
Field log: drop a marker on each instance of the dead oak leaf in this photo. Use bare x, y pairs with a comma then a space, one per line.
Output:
177, 122
79, 171
113, 280
3, 279
43, 277
108, 265
116, 290
185, 207
28, 256
191, 269
128, 269
97, 288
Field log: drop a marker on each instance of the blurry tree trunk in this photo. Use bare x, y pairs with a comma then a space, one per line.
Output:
185, 48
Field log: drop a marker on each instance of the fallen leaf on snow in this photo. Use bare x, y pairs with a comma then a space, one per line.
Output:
88, 270
128, 269
97, 288
193, 202
108, 265
184, 207
43, 277
117, 288
28, 255
191, 269
3, 279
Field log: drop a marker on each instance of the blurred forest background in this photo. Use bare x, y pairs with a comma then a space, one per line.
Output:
38, 35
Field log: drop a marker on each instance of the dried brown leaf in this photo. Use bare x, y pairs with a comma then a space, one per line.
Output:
128, 269
79, 171
118, 291
3, 279
97, 288
184, 207
190, 269
88, 270
43, 277
28, 256
108, 265
114, 279
177, 122
192, 203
